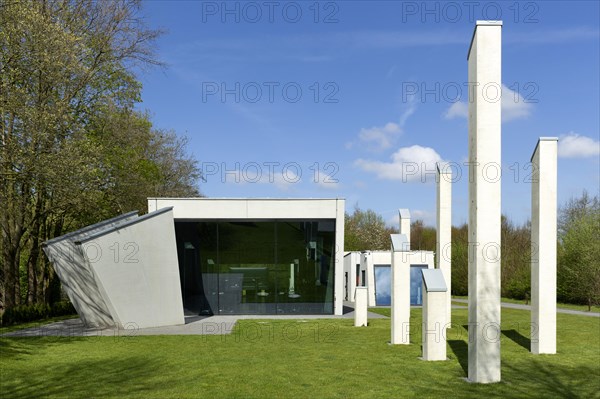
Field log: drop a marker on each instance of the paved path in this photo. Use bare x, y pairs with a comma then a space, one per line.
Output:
528, 307
194, 325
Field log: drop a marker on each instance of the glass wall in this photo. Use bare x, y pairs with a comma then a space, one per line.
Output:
257, 267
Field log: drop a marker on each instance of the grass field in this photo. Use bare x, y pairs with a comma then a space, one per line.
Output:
571, 306
299, 359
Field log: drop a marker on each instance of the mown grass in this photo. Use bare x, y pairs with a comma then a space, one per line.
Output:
299, 359
571, 306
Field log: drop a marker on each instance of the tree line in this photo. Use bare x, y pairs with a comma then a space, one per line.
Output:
578, 249
74, 149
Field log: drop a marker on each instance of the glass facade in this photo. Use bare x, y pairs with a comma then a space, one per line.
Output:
257, 267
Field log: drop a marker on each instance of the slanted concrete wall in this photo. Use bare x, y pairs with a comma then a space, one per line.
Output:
135, 267
76, 277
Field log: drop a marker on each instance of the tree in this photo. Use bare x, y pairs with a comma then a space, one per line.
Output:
366, 230
579, 251
72, 149
422, 237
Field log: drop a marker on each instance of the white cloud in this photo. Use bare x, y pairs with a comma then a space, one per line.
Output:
458, 109
572, 145
380, 137
514, 106
414, 163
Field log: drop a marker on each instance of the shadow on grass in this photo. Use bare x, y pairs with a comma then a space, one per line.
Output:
517, 338
115, 376
553, 381
461, 351
24, 346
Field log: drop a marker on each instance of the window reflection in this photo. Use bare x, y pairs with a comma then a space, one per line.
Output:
257, 267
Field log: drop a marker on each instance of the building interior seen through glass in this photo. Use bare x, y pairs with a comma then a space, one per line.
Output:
257, 267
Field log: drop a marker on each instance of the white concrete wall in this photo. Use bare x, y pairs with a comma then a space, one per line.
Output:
366, 264
351, 259
266, 209
484, 73
444, 231
543, 246
136, 269
77, 278
369, 259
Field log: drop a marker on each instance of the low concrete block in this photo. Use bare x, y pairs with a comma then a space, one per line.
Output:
360, 307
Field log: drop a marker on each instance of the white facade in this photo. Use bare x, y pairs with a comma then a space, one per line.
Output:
543, 246
365, 262
484, 73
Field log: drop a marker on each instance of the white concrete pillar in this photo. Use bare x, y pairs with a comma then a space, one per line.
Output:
405, 226
400, 308
369, 268
484, 64
360, 307
434, 315
444, 231
543, 246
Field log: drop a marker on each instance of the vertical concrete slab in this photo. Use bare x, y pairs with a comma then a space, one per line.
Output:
400, 309
405, 225
369, 267
484, 65
360, 307
543, 246
444, 231
434, 315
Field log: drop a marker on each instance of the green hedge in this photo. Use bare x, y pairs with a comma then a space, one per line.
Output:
38, 311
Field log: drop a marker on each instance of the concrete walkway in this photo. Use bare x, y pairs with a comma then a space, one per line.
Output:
194, 325
528, 307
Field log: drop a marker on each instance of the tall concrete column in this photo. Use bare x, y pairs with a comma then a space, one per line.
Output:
444, 231
405, 226
400, 291
484, 64
543, 246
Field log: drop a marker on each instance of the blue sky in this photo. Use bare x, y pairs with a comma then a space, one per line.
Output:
342, 99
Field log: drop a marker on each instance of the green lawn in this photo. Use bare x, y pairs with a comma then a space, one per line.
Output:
583, 308
299, 359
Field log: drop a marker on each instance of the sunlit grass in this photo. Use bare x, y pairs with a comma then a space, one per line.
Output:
299, 359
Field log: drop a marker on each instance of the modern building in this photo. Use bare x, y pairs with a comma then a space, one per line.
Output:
205, 256
258, 256
372, 269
